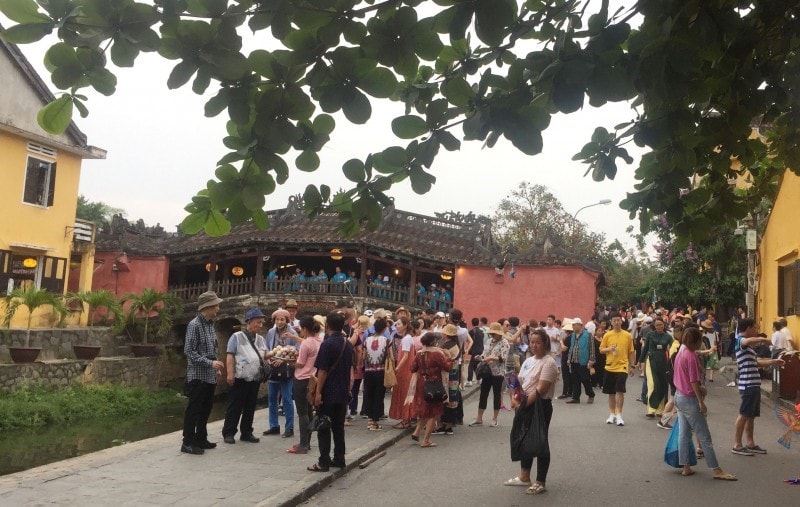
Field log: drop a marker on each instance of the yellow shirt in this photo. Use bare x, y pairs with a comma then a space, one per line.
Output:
617, 362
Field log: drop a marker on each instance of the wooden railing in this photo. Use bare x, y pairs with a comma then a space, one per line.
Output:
397, 293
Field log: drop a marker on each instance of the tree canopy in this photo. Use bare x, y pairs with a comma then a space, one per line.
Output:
96, 211
700, 75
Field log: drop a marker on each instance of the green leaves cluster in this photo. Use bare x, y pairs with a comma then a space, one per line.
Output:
698, 74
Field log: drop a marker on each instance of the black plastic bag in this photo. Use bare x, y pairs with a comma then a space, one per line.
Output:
529, 433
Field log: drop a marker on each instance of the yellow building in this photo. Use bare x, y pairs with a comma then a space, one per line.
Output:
779, 263
39, 235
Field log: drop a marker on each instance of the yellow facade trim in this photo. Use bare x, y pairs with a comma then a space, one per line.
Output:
788, 255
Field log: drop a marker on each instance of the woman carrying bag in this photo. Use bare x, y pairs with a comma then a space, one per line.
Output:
538, 388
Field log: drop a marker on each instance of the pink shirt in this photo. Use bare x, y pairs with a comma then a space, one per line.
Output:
542, 369
306, 357
687, 370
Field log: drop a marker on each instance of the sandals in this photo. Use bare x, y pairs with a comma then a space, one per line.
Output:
374, 427
297, 450
428, 444
725, 477
516, 481
415, 438
401, 426
536, 488
317, 468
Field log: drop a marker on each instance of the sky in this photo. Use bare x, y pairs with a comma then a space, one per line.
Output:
162, 150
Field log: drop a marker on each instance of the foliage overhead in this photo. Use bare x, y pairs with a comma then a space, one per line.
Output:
531, 215
96, 211
698, 75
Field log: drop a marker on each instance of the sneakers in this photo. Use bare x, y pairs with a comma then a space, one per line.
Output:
468, 383
620, 422
756, 450
475, 423
742, 451
439, 431
349, 417
611, 419
664, 426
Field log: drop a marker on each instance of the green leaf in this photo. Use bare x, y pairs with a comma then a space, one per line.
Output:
54, 118
252, 198
181, 74
367, 209
60, 55
260, 219
354, 171
217, 224
307, 161
223, 193
358, 109
103, 81
312, 197
217, 103
379, 82
458, 91
23, 11
227, 173
324, 124
448, 140
421, 182
123, 53
409, 126
194, 222
25, 34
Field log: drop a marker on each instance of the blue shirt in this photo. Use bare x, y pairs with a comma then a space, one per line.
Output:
582, 347
339, 277
337, 383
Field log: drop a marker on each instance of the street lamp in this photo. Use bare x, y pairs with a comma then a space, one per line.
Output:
602, 202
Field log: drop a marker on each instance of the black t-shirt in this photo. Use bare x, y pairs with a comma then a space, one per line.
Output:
477, 341
337, 383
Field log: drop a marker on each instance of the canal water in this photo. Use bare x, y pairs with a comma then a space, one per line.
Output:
33, 447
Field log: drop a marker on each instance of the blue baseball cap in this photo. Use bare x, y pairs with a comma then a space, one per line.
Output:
253, 313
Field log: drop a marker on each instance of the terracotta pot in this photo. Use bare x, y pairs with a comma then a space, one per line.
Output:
140, 350
24, 354
86, 352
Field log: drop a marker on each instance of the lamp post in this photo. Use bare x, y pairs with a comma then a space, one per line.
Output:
601, 202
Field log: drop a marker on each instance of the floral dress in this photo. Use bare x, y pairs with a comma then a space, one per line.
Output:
435, 363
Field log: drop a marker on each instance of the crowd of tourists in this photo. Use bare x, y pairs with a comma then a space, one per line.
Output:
318, 365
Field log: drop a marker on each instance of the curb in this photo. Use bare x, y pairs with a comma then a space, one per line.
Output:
306, 488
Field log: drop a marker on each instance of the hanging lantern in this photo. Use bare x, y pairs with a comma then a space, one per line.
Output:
208, 267
336, 254
447, 274
30, 262
237, 271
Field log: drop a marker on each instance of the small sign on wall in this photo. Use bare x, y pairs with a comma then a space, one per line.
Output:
751, 239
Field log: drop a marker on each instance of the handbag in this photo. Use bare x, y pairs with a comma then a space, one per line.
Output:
320, 422
483, 370
389, 376
433, 390
671, 452
311, 390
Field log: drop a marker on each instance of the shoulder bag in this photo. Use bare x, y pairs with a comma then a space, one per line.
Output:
389, 376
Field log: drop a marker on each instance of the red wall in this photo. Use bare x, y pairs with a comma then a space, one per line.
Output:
142, 272
534, 292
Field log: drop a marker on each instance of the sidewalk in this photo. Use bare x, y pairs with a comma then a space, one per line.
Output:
155, 472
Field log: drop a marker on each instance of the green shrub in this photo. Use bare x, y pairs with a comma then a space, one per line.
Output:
33, 406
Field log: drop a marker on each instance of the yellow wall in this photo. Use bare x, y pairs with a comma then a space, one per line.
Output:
35, 225
779, 247
22, 223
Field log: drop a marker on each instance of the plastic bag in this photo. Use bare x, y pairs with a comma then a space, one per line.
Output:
671, 453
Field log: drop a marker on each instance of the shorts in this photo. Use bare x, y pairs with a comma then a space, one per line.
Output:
614, 382
751, 402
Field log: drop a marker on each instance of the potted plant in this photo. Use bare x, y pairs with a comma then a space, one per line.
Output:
150, 304
95, 300
33, 299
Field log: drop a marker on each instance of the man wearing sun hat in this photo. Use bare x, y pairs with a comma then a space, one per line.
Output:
202, 369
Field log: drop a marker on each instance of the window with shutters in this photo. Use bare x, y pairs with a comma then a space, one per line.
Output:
40, 182
789, 289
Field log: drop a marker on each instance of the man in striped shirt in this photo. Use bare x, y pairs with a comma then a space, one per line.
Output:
749, 386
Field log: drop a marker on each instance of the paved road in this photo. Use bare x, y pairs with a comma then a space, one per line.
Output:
466, 469
593, 464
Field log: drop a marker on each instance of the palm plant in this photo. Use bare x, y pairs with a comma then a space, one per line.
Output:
95, 299
32, 298
151, 303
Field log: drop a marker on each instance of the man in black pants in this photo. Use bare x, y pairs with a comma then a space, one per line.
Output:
202, 369
334, 362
